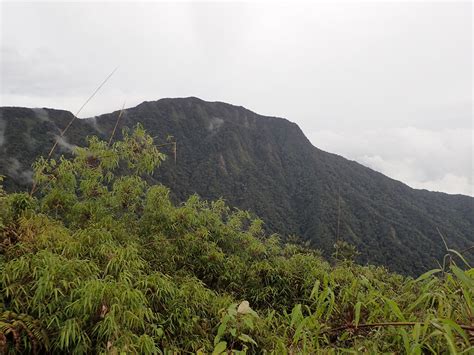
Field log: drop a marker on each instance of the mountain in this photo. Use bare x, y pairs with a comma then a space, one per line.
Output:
268, 166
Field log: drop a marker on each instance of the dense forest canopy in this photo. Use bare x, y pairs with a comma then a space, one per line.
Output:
98, 259
267, 166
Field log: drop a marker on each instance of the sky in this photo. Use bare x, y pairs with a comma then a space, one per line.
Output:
388, 84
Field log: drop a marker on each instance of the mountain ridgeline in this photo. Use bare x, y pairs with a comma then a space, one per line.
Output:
268, 166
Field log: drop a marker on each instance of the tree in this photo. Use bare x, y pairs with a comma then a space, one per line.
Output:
344, 251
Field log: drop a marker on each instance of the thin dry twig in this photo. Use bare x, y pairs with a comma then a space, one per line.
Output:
444, 240
63, 132
467, 249
116, 123
174, 148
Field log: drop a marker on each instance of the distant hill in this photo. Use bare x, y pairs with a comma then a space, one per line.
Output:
266, 165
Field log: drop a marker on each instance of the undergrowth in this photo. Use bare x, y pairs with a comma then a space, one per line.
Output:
99, 261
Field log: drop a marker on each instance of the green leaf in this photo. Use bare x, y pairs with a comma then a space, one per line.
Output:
220, 348
221, 329
248, 322
299, 331
427, 274
460, 257
416, 332
395, 309
406, 341
461, 275
315, 290
296, 315
247, 339
457, 328
448, 335
357, 313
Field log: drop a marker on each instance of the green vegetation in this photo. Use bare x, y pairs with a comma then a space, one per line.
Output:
267, 166
103, 262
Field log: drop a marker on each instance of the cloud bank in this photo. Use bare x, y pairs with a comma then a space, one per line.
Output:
435, 160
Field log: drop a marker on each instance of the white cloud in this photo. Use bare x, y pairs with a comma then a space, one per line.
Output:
449, 183
386, 83
62, 142
440, 160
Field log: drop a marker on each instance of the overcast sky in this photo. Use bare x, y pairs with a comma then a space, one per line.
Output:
386, 84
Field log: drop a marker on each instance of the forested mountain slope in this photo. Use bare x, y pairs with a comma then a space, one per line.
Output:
99, 261
265, 165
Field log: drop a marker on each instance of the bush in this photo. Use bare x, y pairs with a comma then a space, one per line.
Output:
99, 261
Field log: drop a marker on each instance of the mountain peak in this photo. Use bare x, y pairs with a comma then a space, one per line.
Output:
266, 165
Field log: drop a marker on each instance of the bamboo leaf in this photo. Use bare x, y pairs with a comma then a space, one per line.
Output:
357, 313
395, 309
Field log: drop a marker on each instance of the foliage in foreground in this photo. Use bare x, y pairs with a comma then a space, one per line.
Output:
102, 262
